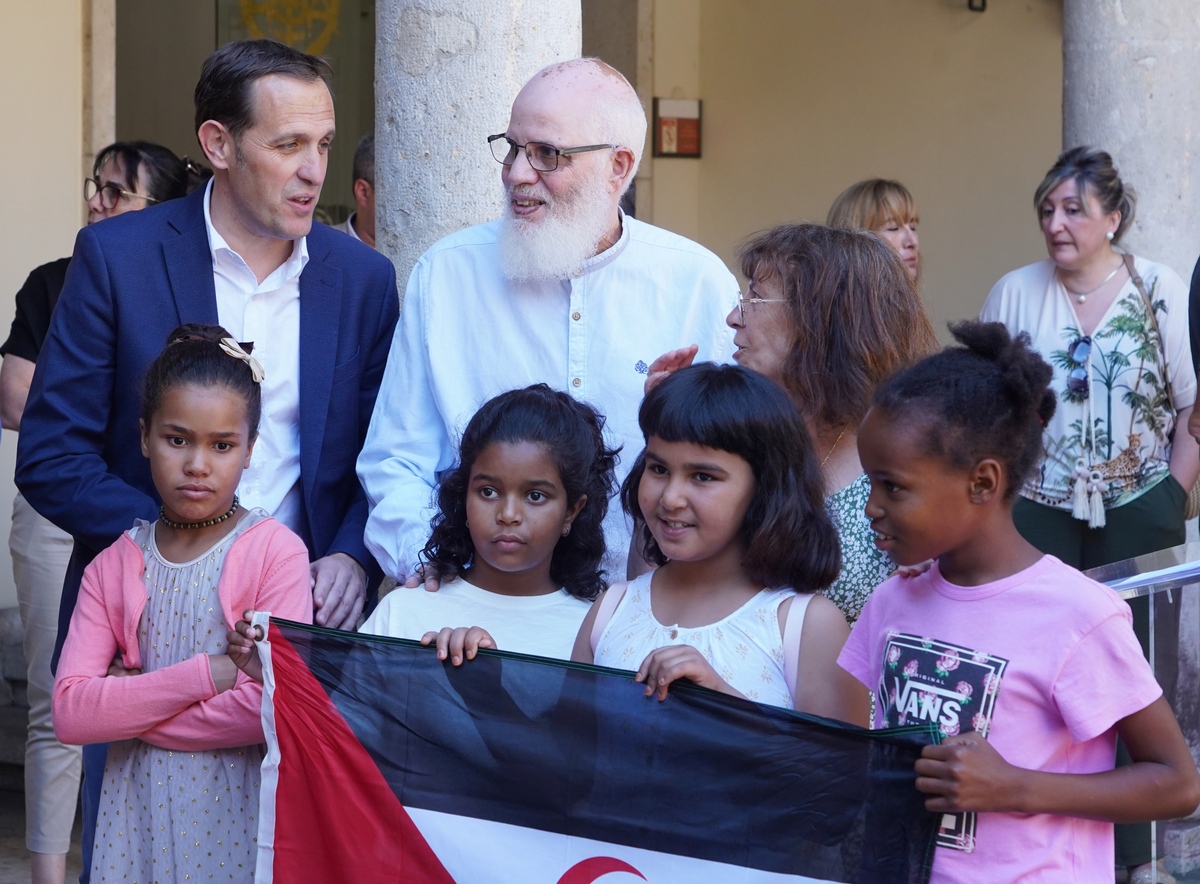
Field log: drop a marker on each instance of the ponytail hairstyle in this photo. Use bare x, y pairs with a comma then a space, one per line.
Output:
788, 536
990, 397
165, 175
202, 356
572, 432
1090, 166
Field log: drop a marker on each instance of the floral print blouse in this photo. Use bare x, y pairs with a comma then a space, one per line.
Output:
1115, 414
864, 565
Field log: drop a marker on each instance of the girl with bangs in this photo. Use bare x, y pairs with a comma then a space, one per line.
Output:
728, 494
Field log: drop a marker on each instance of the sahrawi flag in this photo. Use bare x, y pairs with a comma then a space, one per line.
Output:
385, 764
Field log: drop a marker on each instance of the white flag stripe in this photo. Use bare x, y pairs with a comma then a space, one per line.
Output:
264, 871
482, 850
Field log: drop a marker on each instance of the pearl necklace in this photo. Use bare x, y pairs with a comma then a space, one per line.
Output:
207, 523
1080, 297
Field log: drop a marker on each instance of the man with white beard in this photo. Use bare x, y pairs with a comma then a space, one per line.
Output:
565, 289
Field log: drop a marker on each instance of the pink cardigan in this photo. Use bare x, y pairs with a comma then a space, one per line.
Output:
177, 707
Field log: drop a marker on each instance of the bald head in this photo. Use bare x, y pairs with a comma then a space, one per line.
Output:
585, 101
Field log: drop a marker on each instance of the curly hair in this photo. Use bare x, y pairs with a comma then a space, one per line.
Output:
788, 536
853, 313
193, 357
572, 432
988, 398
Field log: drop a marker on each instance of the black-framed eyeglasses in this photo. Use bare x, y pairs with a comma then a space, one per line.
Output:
755, 299
542, 157
110, 194
1078, 383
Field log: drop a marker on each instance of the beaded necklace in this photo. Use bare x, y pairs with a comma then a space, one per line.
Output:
207, 523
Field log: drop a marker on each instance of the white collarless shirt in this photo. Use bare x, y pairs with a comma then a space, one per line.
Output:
466, 334
267, 315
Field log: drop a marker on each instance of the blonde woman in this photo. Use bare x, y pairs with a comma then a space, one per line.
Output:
887, 209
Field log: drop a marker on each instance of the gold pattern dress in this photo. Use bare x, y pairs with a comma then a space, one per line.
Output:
168, 815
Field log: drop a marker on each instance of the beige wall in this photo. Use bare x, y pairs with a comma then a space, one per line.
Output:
42, 98
804, 97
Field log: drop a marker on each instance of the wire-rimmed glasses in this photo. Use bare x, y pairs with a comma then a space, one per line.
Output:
542, 157
755, 299
110, 194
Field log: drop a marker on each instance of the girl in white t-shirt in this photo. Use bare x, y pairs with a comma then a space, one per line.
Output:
728, 498
1027, 668
517, 540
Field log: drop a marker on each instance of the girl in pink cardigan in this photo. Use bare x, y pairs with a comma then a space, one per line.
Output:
144, 664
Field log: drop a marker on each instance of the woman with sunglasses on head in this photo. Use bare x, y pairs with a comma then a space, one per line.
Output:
127, 177
1116, 472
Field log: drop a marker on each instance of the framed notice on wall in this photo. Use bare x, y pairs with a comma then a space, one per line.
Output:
676, 127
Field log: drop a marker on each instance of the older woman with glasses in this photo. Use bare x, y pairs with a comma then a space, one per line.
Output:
1116, 475
1119, 461
828, 314
127, 176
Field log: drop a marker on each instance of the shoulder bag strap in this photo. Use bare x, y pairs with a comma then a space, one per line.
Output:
1162, 342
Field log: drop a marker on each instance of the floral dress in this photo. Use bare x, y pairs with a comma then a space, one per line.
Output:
1110, 436
864, 565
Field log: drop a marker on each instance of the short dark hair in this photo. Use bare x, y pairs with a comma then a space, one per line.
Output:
853, 313
224, 92
167, 176
789, 538
573, 434
193, 357
990, 397
364, 160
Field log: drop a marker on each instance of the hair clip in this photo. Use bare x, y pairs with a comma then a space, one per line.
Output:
234, 349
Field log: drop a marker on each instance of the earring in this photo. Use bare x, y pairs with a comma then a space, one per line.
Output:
1108, 236
566, 531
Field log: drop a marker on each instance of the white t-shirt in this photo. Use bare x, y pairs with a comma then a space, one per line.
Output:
545, 625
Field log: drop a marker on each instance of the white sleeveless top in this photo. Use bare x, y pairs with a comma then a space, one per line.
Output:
745, 648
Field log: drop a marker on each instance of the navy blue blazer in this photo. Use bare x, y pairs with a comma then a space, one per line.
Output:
133, 279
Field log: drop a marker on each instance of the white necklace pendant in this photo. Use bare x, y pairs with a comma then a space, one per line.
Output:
1081, 298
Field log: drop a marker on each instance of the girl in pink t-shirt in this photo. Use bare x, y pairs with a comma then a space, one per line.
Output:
1029, 669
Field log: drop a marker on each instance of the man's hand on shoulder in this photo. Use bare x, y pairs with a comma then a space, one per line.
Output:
339, 588
426, 575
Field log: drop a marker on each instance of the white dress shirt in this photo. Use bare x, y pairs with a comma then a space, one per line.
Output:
347, 227
467, 334
266, 314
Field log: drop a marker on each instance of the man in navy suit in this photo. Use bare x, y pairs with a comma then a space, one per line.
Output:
243, 252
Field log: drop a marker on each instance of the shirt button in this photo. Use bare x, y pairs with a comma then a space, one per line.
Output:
674, 633
576, 382
576, 315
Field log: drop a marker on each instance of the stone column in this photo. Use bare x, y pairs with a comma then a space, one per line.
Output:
446, 72
1131, 85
